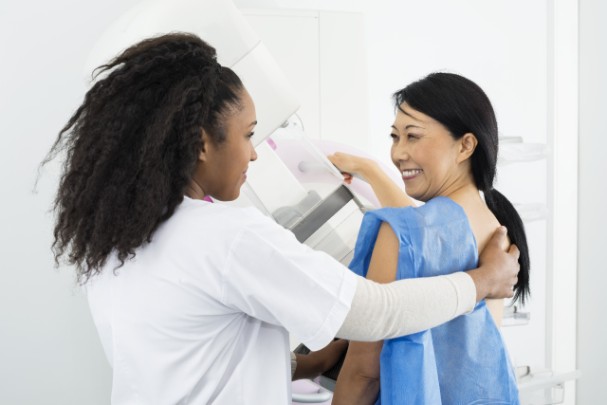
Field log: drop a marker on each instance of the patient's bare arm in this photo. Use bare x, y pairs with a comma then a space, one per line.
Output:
387, 192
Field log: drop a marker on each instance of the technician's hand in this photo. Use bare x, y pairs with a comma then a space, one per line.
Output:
498, 268
350, 165
315, 363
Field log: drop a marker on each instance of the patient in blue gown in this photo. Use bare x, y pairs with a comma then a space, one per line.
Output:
445, 143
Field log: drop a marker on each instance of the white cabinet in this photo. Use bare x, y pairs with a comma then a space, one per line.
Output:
523, 176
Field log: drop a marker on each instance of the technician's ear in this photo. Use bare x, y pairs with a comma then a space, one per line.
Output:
202, 156
468, 144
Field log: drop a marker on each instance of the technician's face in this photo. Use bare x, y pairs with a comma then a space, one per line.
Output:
225, 165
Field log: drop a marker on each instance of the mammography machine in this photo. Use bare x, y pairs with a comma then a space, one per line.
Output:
292, 181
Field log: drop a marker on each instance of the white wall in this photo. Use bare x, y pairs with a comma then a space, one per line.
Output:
49, 352
592, 276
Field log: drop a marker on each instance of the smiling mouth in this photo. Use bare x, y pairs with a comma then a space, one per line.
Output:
410, 173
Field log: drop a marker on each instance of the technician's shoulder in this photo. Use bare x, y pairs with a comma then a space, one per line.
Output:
204, 215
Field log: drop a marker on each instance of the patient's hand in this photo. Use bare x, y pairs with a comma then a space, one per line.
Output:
388, 193
350, 165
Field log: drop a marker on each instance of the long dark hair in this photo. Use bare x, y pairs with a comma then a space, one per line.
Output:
463, 107
132, 146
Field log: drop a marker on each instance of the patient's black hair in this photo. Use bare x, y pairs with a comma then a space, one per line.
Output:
463, 107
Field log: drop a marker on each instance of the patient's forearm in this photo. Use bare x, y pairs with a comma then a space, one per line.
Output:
355, 389
387, 192
358, 381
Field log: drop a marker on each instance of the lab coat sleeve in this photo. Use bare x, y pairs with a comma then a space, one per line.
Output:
382, 311
272, 277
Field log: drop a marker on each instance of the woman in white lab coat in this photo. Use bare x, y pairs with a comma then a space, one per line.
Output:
193, 301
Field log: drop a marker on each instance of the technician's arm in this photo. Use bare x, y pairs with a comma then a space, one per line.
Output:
408, 306
388, 193
315, 363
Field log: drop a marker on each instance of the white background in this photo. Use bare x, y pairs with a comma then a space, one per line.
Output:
49, 351
592, 268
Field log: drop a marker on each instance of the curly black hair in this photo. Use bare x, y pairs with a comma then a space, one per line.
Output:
132, 146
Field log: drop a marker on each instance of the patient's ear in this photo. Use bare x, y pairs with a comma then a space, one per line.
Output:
468, 144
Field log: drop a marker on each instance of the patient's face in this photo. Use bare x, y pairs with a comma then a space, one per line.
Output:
425, 153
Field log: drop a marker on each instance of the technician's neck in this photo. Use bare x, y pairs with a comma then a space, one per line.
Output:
193, 190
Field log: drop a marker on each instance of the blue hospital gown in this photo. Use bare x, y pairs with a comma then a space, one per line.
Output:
461, 362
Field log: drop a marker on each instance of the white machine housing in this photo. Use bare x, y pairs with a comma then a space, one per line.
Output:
220, 24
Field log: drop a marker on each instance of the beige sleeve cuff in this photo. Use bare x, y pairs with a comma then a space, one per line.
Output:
465, 292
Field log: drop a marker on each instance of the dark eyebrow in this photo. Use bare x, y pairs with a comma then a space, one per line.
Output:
252, 124
409, 126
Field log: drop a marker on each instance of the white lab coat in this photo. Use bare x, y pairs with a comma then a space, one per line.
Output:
201, 315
